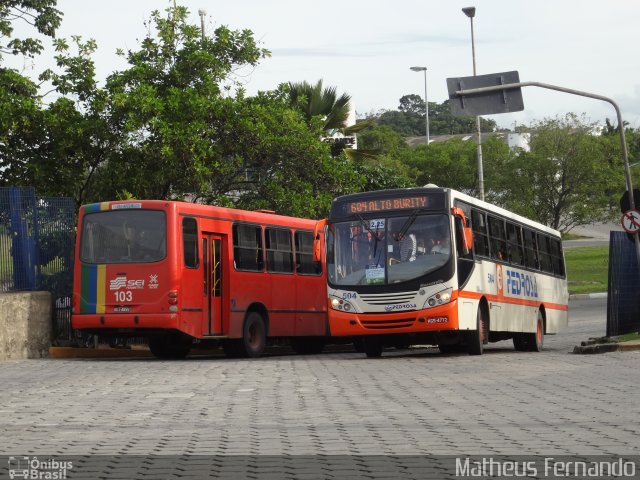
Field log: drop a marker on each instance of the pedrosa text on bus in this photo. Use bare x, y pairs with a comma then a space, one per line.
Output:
388, 204
521, 284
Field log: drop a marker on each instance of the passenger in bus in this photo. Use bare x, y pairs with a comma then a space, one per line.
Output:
408, 248
440, 243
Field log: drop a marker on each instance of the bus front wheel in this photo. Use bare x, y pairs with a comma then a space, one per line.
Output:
373, 347
478, 337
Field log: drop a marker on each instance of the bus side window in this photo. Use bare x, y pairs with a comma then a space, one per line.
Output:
556, 257
514, 243
279, 251
497, 235
304, 255
247, 248
545, 254
530, 249
190, 242
480, 239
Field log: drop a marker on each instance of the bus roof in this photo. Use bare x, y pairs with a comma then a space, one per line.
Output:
196, 209
452, 194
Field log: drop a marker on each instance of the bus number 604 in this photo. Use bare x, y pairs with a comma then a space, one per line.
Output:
123, 296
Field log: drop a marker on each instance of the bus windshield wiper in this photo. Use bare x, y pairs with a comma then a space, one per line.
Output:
407, 224
368, 227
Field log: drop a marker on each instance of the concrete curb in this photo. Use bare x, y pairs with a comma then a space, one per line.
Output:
587, 296
607, 347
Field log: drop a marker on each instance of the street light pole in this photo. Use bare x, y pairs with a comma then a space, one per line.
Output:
471, 12
202, 13
426, 101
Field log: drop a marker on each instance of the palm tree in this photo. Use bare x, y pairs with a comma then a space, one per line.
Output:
313, 100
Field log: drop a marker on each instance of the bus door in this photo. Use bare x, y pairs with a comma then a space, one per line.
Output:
212, 257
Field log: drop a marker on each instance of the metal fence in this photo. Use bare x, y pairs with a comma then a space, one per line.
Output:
37, 237
623, 301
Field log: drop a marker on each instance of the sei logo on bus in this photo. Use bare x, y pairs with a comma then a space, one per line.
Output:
521, 284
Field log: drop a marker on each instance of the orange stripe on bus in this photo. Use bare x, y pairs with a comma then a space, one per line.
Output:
513, 301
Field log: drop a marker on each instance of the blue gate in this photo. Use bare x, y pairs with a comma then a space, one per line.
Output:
37, 238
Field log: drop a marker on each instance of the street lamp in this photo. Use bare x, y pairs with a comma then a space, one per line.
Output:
202, 13
471, 12
426, 102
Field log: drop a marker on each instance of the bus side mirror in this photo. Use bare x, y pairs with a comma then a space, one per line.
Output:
317, 240
466, 234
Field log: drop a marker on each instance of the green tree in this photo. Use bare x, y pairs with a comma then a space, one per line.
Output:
453, 164
316, 101
412, 105
41, 14
168, 110
409, 119
384, 140
567, 178
56, 147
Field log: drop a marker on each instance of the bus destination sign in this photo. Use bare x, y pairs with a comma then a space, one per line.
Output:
386, 204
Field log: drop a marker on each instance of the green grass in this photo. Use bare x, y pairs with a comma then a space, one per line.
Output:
572, 236
587, 269
628, 337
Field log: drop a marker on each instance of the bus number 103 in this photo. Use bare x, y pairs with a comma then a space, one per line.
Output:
123, 296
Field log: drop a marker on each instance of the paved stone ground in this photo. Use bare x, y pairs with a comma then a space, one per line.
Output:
411, 402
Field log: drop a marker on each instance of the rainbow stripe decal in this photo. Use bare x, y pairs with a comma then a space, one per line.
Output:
96, 207
93, 288
93, 278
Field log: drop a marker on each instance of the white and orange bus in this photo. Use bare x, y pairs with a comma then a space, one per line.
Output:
174, 272
435, 266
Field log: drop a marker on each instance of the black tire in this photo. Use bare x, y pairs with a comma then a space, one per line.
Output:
478, 337
170, 346
254, 335
308, 345
520, 342
358, 344
531, 342
373, 347
536, 339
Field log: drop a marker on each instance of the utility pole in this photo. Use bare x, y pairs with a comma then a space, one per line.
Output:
202, 13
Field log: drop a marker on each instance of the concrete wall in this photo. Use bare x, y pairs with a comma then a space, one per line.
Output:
25, 325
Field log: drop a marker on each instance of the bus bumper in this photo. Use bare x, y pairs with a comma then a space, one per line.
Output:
130, 322
434, 319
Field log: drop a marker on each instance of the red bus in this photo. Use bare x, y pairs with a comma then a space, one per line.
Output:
175, 272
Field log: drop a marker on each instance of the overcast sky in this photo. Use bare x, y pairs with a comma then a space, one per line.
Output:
365, 48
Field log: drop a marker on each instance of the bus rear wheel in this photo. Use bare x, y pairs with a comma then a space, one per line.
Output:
254, 336
532, 341
170, 346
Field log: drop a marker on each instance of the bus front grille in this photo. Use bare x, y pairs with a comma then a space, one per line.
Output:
388, 298
386, 324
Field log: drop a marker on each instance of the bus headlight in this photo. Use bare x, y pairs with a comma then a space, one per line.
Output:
439, 298
341, 304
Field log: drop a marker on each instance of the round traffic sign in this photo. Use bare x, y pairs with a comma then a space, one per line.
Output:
631, 221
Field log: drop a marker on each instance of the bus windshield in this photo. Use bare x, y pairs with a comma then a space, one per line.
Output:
123, 236
379, 251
